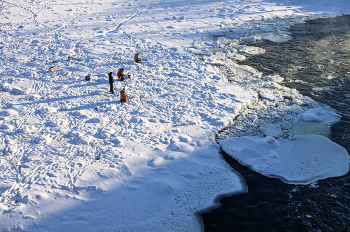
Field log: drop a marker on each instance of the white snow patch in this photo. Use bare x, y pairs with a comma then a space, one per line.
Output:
18, 87
197, 51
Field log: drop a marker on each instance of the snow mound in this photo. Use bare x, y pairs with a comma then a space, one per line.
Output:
9, 112
156, 162
300, 160
18, 87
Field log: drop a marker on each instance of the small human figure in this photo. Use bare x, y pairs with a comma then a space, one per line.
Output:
111, 80
121, 74
137, 58
123, 96
87, 78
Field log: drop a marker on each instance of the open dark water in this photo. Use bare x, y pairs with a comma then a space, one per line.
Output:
316, 63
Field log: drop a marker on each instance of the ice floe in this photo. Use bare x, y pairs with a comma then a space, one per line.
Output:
300, 160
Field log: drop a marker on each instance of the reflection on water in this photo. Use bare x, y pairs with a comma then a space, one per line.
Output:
316, 63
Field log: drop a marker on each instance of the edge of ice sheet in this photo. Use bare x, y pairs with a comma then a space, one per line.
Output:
300, 160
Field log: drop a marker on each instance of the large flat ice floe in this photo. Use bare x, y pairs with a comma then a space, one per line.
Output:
300, 160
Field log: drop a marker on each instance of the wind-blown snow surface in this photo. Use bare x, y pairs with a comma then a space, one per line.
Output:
74, 157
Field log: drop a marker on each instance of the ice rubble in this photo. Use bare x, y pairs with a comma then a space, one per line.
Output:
279, 113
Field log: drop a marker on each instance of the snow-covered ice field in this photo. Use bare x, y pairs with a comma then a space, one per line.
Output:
73, 157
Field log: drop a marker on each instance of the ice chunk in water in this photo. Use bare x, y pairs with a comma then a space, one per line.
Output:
276, 79
273, 130
251, 39
316, 121
235, 56
311, 127
250, 50
270, 96
300, 160
278, 38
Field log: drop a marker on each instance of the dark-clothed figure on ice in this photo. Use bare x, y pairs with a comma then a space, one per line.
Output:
121, 74
111, 80
137, 58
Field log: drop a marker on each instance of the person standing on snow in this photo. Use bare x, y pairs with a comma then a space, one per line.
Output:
121, 74
111, 80
123, 96
137, 58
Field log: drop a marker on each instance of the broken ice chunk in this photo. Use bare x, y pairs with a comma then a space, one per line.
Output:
270, 96
251, 39
273, 130
278, 38
316, 121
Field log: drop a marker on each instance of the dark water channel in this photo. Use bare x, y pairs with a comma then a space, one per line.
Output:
316, 63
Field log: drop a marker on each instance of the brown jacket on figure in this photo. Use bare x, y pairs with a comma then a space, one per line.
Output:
121, 74
123, 96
